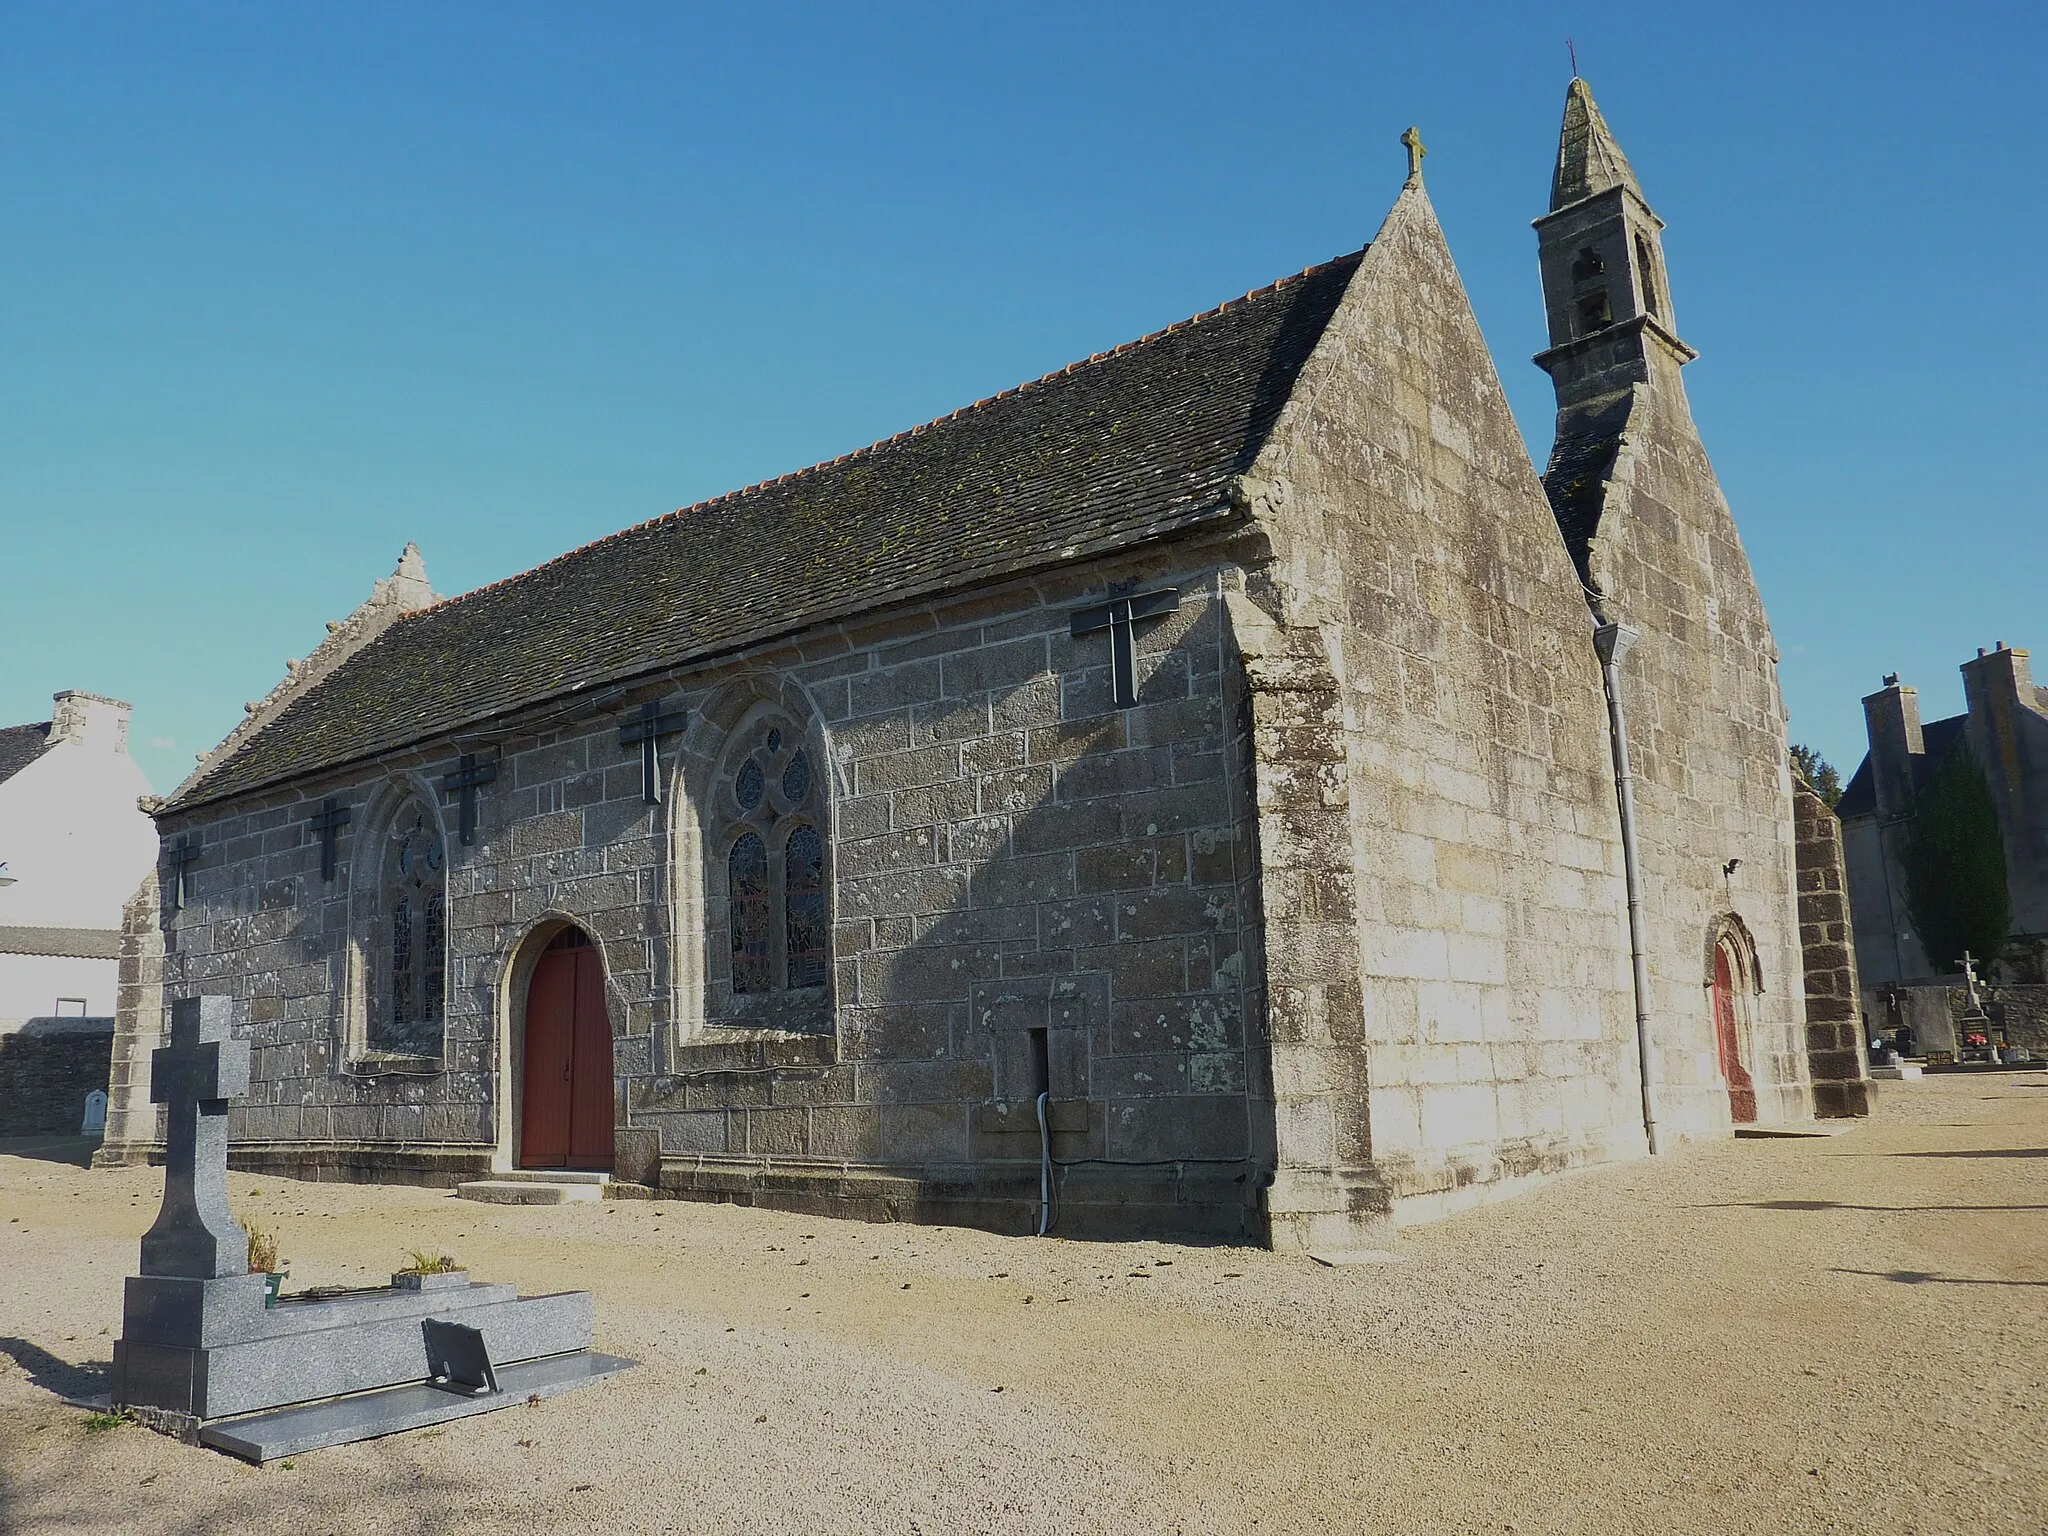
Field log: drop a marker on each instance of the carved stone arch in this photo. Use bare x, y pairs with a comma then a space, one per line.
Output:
516, 962
1733, 981
365, 981
1729, 927
705, 820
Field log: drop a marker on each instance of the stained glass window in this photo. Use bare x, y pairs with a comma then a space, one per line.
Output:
796, 779
778, 912
401, 961
415, 907
433, 955
803, 887
747, 868
747, 788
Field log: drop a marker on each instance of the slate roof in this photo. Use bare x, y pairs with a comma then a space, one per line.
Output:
1127, 445
21, 745
77, 943
1859, 795
1581, 462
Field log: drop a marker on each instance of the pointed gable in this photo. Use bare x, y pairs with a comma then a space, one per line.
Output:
1128, 445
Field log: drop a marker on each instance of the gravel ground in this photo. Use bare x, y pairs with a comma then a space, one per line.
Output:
1841, 1334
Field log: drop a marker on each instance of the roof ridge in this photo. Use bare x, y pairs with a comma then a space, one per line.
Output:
710, 503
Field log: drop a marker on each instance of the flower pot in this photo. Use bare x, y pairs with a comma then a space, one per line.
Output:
446, 1280
273, 1282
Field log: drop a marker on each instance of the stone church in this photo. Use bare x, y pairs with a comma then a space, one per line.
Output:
1182, 794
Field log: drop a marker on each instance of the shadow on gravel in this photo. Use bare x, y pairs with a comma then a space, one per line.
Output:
75, 1150
1991, 1152
1842, 1205
57, 1376
1922, 1277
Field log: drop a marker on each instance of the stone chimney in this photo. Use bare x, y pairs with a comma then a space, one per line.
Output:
1891, 716
89, 720
2009, 734
2000, 682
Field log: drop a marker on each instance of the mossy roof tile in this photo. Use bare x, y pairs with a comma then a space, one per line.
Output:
1124, 446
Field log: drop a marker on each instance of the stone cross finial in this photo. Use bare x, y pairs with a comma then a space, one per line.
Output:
1412, 139
195, 1075
1970, 982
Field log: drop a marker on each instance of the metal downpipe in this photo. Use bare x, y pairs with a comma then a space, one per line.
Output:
1612, 642
1044, 1166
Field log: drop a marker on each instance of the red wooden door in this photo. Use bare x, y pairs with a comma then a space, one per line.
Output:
566, 1105
1741, 1087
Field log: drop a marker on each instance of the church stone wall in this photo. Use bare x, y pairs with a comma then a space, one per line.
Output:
1010, 852
1713, 779
1443, 884
133, 1131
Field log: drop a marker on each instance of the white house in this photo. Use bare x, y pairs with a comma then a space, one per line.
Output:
73, 847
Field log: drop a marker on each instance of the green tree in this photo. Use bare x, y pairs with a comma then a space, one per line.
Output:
1955, 865
1818, 773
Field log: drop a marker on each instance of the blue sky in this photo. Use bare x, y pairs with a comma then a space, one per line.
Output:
287, 286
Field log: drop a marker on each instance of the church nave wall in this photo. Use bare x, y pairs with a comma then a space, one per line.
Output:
1018, 870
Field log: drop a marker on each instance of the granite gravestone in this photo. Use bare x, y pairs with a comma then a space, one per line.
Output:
202, 1353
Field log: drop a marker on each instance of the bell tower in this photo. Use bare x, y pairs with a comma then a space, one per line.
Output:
1601, 253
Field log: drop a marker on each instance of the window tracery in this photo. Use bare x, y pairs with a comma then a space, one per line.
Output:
407, 1016
769, 841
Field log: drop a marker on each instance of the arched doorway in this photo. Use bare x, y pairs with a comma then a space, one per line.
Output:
1730, 974
565, 1118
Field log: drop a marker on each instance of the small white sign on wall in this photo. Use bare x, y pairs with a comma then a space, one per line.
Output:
95, 1114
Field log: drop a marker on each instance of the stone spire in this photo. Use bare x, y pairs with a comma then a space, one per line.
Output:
1589, 161
1604, 285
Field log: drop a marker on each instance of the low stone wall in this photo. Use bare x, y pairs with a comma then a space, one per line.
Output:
2021, 1012
46, 1070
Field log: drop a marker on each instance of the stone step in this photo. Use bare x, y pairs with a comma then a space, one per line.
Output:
521, 1192
1795, 1130
552, 1176
264, 1437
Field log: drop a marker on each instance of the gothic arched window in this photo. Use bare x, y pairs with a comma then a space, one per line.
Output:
771, 841
414, 938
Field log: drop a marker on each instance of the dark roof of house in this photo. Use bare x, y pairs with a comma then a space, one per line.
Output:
76, 943
1859, 795
1127, 445
21, 745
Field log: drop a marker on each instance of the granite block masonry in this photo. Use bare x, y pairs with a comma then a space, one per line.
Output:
201, 1347
1834, 1005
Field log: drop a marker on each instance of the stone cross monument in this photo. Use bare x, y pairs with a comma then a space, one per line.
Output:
200, 1345
203, 1067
